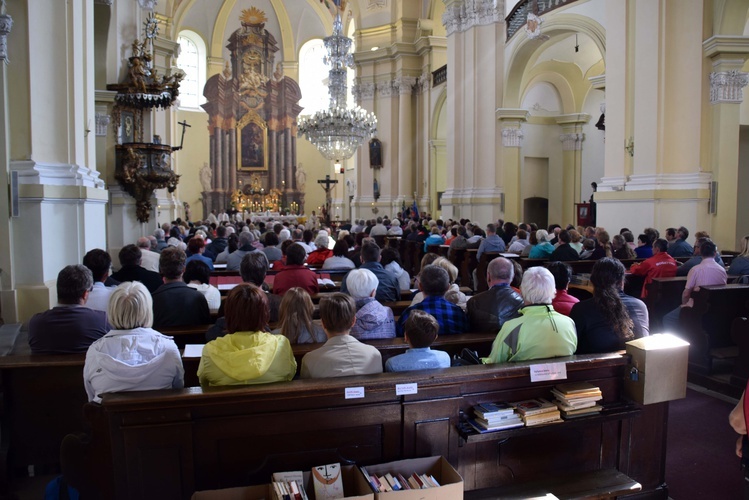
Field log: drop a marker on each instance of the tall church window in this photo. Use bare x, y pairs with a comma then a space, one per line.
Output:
191, 60
313, 77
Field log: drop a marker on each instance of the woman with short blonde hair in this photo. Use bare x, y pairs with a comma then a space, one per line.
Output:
132, 356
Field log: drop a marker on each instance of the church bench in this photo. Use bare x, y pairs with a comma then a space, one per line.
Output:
168, 444
42, 394
664, 295
707, 324
467, 266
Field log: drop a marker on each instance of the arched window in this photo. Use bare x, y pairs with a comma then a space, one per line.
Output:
191, 60
313, 77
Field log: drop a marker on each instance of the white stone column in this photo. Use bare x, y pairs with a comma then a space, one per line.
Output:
475, 75
572, 138
727, 83
361, 205
50, 143
406, 168
511, 121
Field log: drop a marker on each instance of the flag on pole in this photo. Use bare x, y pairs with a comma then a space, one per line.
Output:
415, 211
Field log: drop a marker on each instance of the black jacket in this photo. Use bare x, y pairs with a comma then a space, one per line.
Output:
176, 304
488, 311
150, 279
216, 247
564, 252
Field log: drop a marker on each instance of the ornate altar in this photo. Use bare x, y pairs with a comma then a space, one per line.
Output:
143, 167
252, 110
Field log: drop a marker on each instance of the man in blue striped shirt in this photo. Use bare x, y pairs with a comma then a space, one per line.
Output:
433, 283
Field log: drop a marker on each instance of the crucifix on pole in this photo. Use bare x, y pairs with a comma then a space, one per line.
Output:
327, 184
184, 126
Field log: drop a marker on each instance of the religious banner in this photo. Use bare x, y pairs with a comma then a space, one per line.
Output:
252, 143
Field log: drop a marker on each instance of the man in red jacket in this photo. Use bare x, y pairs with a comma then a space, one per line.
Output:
660, 265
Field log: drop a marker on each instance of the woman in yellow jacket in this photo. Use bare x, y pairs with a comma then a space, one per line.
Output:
248, 354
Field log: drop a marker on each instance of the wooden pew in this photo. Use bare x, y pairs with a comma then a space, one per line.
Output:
168, 444
469, 263
43, 394
664, 295
707, 325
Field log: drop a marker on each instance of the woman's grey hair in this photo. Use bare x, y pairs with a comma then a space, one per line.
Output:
538, 286
322, 241
130, 306
542, 235
361, 283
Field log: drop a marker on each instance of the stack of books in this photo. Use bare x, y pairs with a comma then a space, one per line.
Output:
537, 412
489, 417
398, 482
289, 486
577, 399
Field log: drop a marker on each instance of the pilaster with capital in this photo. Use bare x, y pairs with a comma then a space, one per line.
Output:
462, 15
572, 138
511, 121
727, 81
6, 24
406, 138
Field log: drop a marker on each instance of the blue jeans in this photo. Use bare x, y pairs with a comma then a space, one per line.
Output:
671, 321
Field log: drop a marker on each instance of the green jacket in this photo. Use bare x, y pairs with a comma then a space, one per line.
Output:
540, 332
245, 358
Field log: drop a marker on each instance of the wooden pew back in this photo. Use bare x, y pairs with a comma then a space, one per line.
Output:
167, 444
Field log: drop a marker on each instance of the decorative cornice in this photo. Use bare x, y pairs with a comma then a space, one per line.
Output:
512, 114
572, 119
6, 24
147, 4
572, 142
102, 122
700, 180
405, 85
377, 4
512, 137
728, 86
386, 89
464, 16
598, 82
721, 46
56, 174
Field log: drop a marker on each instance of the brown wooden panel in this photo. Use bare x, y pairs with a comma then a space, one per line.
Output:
158, 462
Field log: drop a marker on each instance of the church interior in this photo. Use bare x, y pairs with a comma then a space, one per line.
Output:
120, 115
478, 117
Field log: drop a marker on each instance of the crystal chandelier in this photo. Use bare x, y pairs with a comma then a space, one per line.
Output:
338, 131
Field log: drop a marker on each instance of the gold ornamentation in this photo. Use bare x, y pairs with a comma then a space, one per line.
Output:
253, 17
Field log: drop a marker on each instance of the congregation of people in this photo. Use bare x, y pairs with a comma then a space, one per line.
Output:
164, 280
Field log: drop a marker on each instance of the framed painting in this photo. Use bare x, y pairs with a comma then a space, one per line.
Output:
252, 143
375, 153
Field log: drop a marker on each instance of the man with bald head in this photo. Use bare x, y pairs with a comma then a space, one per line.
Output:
149, 260
488, 311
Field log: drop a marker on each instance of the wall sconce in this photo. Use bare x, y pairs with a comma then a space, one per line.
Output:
629, 146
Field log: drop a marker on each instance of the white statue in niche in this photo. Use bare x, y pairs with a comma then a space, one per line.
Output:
206, 175
301, 178
351, 186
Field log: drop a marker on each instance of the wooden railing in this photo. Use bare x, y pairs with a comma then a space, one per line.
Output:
439, 76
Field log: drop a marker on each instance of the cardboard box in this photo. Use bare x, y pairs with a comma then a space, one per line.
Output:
354, 487
451, 483
659, 369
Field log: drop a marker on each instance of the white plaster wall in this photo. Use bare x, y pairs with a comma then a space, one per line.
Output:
200, 18
593, 145
542, 99
306, 24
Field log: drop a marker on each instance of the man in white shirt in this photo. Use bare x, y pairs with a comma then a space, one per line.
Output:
100, 264
149, 259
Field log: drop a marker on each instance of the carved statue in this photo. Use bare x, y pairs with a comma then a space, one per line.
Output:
206, 176
301, 178
188, 212
351, 185
278, 73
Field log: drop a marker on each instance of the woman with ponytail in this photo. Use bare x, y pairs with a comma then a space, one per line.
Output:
611, 318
